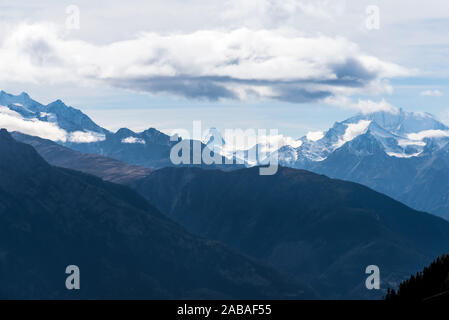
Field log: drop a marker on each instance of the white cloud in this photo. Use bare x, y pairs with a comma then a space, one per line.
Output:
428, 134
432, 93
85, 137
315, 135
278, 64
363, 106
369, 106
240, 140
262, 13
272, 143
353, 130
287, 141
132, 140
13, 121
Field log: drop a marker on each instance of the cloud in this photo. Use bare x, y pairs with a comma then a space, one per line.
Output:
431, 93
132, 140
368, 106
211, 64
272, 143
85, 137
315, 135
428, 134
239, 139
363, 106
258, 13
13, 121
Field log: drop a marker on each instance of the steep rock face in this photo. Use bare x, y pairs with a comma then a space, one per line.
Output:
72, 119
321, 230
125, 248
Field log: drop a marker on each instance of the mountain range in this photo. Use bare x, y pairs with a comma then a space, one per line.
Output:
399, 153
296, 224
125, 248
71, 128
403, 155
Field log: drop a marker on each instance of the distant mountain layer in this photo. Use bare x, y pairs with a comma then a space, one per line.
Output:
52, 217
400, 134
56, 118
104, 167
420, 182
402, 154
72, 128
320, 230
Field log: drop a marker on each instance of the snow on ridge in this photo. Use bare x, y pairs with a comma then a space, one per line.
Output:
403, 155
133, 140
353, 130
405, 143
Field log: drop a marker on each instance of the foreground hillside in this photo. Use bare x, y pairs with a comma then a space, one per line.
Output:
321, 230
51, 218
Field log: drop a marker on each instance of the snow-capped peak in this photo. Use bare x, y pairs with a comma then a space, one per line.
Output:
213, 137
54, 121
402, 122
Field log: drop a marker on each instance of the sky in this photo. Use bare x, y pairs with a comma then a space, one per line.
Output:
291, 65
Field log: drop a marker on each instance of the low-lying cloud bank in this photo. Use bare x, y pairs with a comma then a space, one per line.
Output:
13, 121
213, 64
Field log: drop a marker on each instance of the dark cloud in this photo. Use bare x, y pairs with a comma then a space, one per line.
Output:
189, 87
350, 73
298, 95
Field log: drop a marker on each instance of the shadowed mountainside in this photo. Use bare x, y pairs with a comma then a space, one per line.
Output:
321, 230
